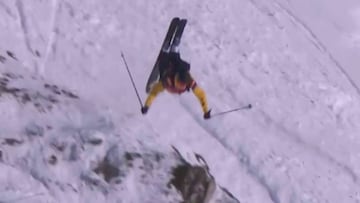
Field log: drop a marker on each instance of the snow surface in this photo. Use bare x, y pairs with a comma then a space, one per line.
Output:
297, 62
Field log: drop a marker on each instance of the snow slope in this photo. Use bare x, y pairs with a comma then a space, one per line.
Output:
55, 147
295, 61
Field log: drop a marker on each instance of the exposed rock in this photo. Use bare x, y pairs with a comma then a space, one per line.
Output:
130, 156
107, 169
52, 160
2, 59
33, 130
43, 101
193, 182
12, 141
12, 55
95, 141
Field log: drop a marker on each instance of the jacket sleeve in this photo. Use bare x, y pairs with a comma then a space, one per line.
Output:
201, 96
155, 90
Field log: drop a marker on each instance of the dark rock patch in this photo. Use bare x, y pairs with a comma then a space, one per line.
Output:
52, 160
11, 54
193, 183
108, 170
2, 59
12, 141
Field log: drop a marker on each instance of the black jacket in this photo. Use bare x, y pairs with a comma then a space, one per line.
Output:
170, 64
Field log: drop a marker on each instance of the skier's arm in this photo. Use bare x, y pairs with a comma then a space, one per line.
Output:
199, 93
201, 96
155, 90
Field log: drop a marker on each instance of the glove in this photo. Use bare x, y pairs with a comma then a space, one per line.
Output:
144, 109
207, 115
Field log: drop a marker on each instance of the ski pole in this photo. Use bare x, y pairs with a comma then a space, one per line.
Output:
249, 106
132, 80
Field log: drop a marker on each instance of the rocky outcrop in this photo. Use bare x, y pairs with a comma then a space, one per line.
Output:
194, 183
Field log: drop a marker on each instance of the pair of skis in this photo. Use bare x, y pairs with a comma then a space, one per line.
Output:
171, 41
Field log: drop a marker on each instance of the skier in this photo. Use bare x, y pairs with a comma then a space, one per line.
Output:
175, 78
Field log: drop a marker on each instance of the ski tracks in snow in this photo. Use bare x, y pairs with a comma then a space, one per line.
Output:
7, 10
317, 42
242, 157
308, 146
26, 30
24, 25
311, 36
294, 137
52, 35
255, 170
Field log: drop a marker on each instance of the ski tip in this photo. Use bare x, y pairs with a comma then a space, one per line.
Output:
179, 19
